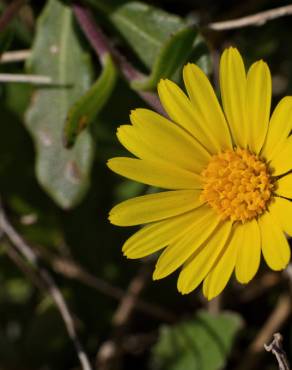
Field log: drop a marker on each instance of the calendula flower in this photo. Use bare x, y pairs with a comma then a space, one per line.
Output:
227, 175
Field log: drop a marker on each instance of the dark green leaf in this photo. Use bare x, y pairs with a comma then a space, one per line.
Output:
203, 343
172, 57
200, 54
57, 53
164, 42
87, 107
145, 28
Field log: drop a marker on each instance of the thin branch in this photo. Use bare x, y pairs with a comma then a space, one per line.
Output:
102, 46
214, 306
15, 56
72, 270
257, 19
24, 267
277, 350
274, 322
28, 253
23, 78
110, 352
10, 12
129, 301
288, 274
92, 32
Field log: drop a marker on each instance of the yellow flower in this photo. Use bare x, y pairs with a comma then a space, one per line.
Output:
227, 175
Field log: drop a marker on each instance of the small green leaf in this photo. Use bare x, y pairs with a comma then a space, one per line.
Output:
87, 107
173, 56
200, 54
162, 41
145, 28
57, 53
203, 343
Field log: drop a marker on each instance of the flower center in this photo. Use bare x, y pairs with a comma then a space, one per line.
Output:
237, 184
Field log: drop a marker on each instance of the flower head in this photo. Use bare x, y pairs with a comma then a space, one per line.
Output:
227, 173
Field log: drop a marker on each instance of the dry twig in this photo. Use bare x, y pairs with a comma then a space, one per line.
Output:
274, 322
73, 270
24, 78
257, 19
109, 354
24, 267
30, 256
129, 300
276, 348
15, 56
214, 306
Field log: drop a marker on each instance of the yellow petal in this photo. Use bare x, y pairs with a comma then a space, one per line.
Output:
181, 249
279, 128
220, 274
199, 265
282, 161
182, 111
233, 93
275, 247
281, 210
207, 106
249, 251
154, 207
155, 236
259, 93
155, 173
155, 138
284, 186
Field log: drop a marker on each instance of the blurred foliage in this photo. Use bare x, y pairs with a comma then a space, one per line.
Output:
57, 53
201, 343
58, 198
86, 109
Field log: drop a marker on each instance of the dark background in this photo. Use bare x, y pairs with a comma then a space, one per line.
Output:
32, 334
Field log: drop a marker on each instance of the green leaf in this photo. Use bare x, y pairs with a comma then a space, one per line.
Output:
145, 28
57, 53
164, 42
200, 54
87, 107
203, 343
173, 56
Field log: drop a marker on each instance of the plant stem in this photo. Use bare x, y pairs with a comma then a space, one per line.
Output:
10, 12
102, 46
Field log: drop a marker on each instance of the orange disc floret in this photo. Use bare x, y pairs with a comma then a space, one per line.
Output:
237, 184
